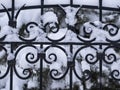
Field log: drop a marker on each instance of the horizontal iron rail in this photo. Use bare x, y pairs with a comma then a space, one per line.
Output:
62, 43
47, 6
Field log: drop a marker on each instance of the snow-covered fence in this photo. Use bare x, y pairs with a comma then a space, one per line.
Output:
38, 52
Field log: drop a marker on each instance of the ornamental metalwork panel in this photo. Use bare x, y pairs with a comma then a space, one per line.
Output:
60, 45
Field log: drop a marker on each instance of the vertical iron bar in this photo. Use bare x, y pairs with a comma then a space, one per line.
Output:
41, 75
100, 64
71, 48
100, 10
12, 21
11, 78
41, 47
100, 74
13, 8
41, 60
42, 10
12, 47
83, 83
11, 70
41, 69
71, 68
71, 75
42, 7
71, 2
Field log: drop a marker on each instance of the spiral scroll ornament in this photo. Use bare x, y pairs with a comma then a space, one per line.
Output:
109, 55
56, 75
115, 74
30, 54
29, 31
112, 29
52, 55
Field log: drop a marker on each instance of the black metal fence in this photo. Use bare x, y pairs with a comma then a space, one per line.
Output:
100, 58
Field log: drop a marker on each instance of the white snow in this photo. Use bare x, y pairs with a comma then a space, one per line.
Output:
11, 33
32, 83
86, 2
109, 3
6, 3
106, 3
49, 17
70, 15
3, 17
85, 66
10, 56
26, 16
19, 3
61, 33
57, 1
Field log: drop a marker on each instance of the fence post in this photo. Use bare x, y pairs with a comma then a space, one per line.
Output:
42, 6
100, 56
13, 8
71, 2
100, 10
12, 22
71, 65
11, 64
42, 56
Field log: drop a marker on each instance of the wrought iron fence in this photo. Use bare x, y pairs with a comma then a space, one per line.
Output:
71, 49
